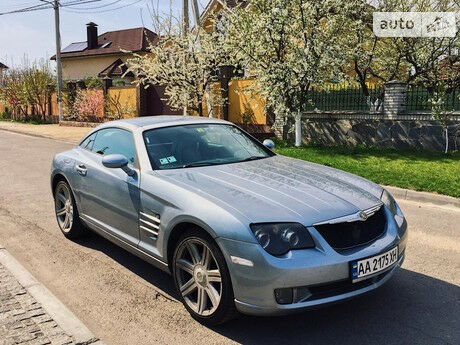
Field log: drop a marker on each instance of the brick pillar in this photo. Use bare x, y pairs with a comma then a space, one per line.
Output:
395, 98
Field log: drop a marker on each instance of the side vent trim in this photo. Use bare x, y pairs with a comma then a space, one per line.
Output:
149, 231
150, 223
155, 219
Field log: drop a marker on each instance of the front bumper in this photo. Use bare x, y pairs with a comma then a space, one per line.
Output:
321, 274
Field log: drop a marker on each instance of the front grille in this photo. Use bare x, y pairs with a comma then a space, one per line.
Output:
352, 234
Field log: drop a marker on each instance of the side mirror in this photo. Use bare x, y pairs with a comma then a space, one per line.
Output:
269, 144
117, 161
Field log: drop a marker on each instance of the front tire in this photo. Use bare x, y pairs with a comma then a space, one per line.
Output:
66, 211
202, 279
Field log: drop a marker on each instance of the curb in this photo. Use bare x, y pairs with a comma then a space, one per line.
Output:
424, 197
17, 131
53, 306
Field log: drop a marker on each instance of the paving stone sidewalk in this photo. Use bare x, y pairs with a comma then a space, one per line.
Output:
22, 319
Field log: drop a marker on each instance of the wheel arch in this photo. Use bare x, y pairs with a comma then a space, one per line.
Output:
60, 176
56, 179
175, 234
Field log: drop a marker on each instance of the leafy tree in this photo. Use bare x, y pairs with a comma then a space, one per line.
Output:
26, 87
37, 80
409, 59
291, 45
12, 93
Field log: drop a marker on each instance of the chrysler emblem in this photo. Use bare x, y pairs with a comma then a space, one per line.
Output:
362, 215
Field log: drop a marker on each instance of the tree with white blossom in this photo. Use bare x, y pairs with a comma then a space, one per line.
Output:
187, 64
291, 46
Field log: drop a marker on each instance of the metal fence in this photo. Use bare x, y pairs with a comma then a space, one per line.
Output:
418, 99
352, 98
346, 98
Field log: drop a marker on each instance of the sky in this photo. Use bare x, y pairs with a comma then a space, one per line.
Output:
31, 35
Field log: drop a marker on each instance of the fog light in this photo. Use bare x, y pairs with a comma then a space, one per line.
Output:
283, 296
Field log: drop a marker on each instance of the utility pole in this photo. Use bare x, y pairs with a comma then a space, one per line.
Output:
185, 28
185, 17
56, 4
58, 57
196, 14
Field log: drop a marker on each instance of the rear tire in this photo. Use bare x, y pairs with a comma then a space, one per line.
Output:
202, 279
66, 211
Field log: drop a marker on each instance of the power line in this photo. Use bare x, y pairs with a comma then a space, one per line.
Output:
82, 11
102, 6
29, 9
49, 5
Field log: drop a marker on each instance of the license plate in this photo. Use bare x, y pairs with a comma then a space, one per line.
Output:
366, 267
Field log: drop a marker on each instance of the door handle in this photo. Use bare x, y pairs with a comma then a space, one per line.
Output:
81, 169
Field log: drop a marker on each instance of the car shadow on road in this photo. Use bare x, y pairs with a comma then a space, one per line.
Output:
411, 308
159, 279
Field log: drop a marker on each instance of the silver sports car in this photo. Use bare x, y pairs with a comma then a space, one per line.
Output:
240, 228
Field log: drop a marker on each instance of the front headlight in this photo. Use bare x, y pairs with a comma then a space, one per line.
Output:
280, 238
389, 201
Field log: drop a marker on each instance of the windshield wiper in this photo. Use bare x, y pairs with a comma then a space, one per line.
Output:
207, 163
252, 158
199, 164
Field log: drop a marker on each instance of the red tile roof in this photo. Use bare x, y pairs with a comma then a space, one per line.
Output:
134, 40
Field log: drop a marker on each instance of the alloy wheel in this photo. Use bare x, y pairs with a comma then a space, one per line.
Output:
64, 207
198, 276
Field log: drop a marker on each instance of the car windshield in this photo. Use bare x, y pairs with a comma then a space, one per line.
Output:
196, 145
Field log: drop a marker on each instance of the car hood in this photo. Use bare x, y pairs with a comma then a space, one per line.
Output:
279, 189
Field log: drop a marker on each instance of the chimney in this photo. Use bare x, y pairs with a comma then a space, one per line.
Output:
91, 34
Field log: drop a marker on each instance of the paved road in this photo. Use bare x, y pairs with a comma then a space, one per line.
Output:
125, 301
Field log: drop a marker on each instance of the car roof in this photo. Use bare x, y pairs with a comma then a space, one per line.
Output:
160, 121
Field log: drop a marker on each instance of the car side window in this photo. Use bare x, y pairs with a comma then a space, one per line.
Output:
115, 141
87, 144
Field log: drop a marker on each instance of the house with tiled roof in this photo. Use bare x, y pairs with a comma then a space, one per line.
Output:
104, 55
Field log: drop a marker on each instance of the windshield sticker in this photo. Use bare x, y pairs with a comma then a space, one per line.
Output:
171, 159
164, 160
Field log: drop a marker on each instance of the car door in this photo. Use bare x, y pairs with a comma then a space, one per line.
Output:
109, 198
